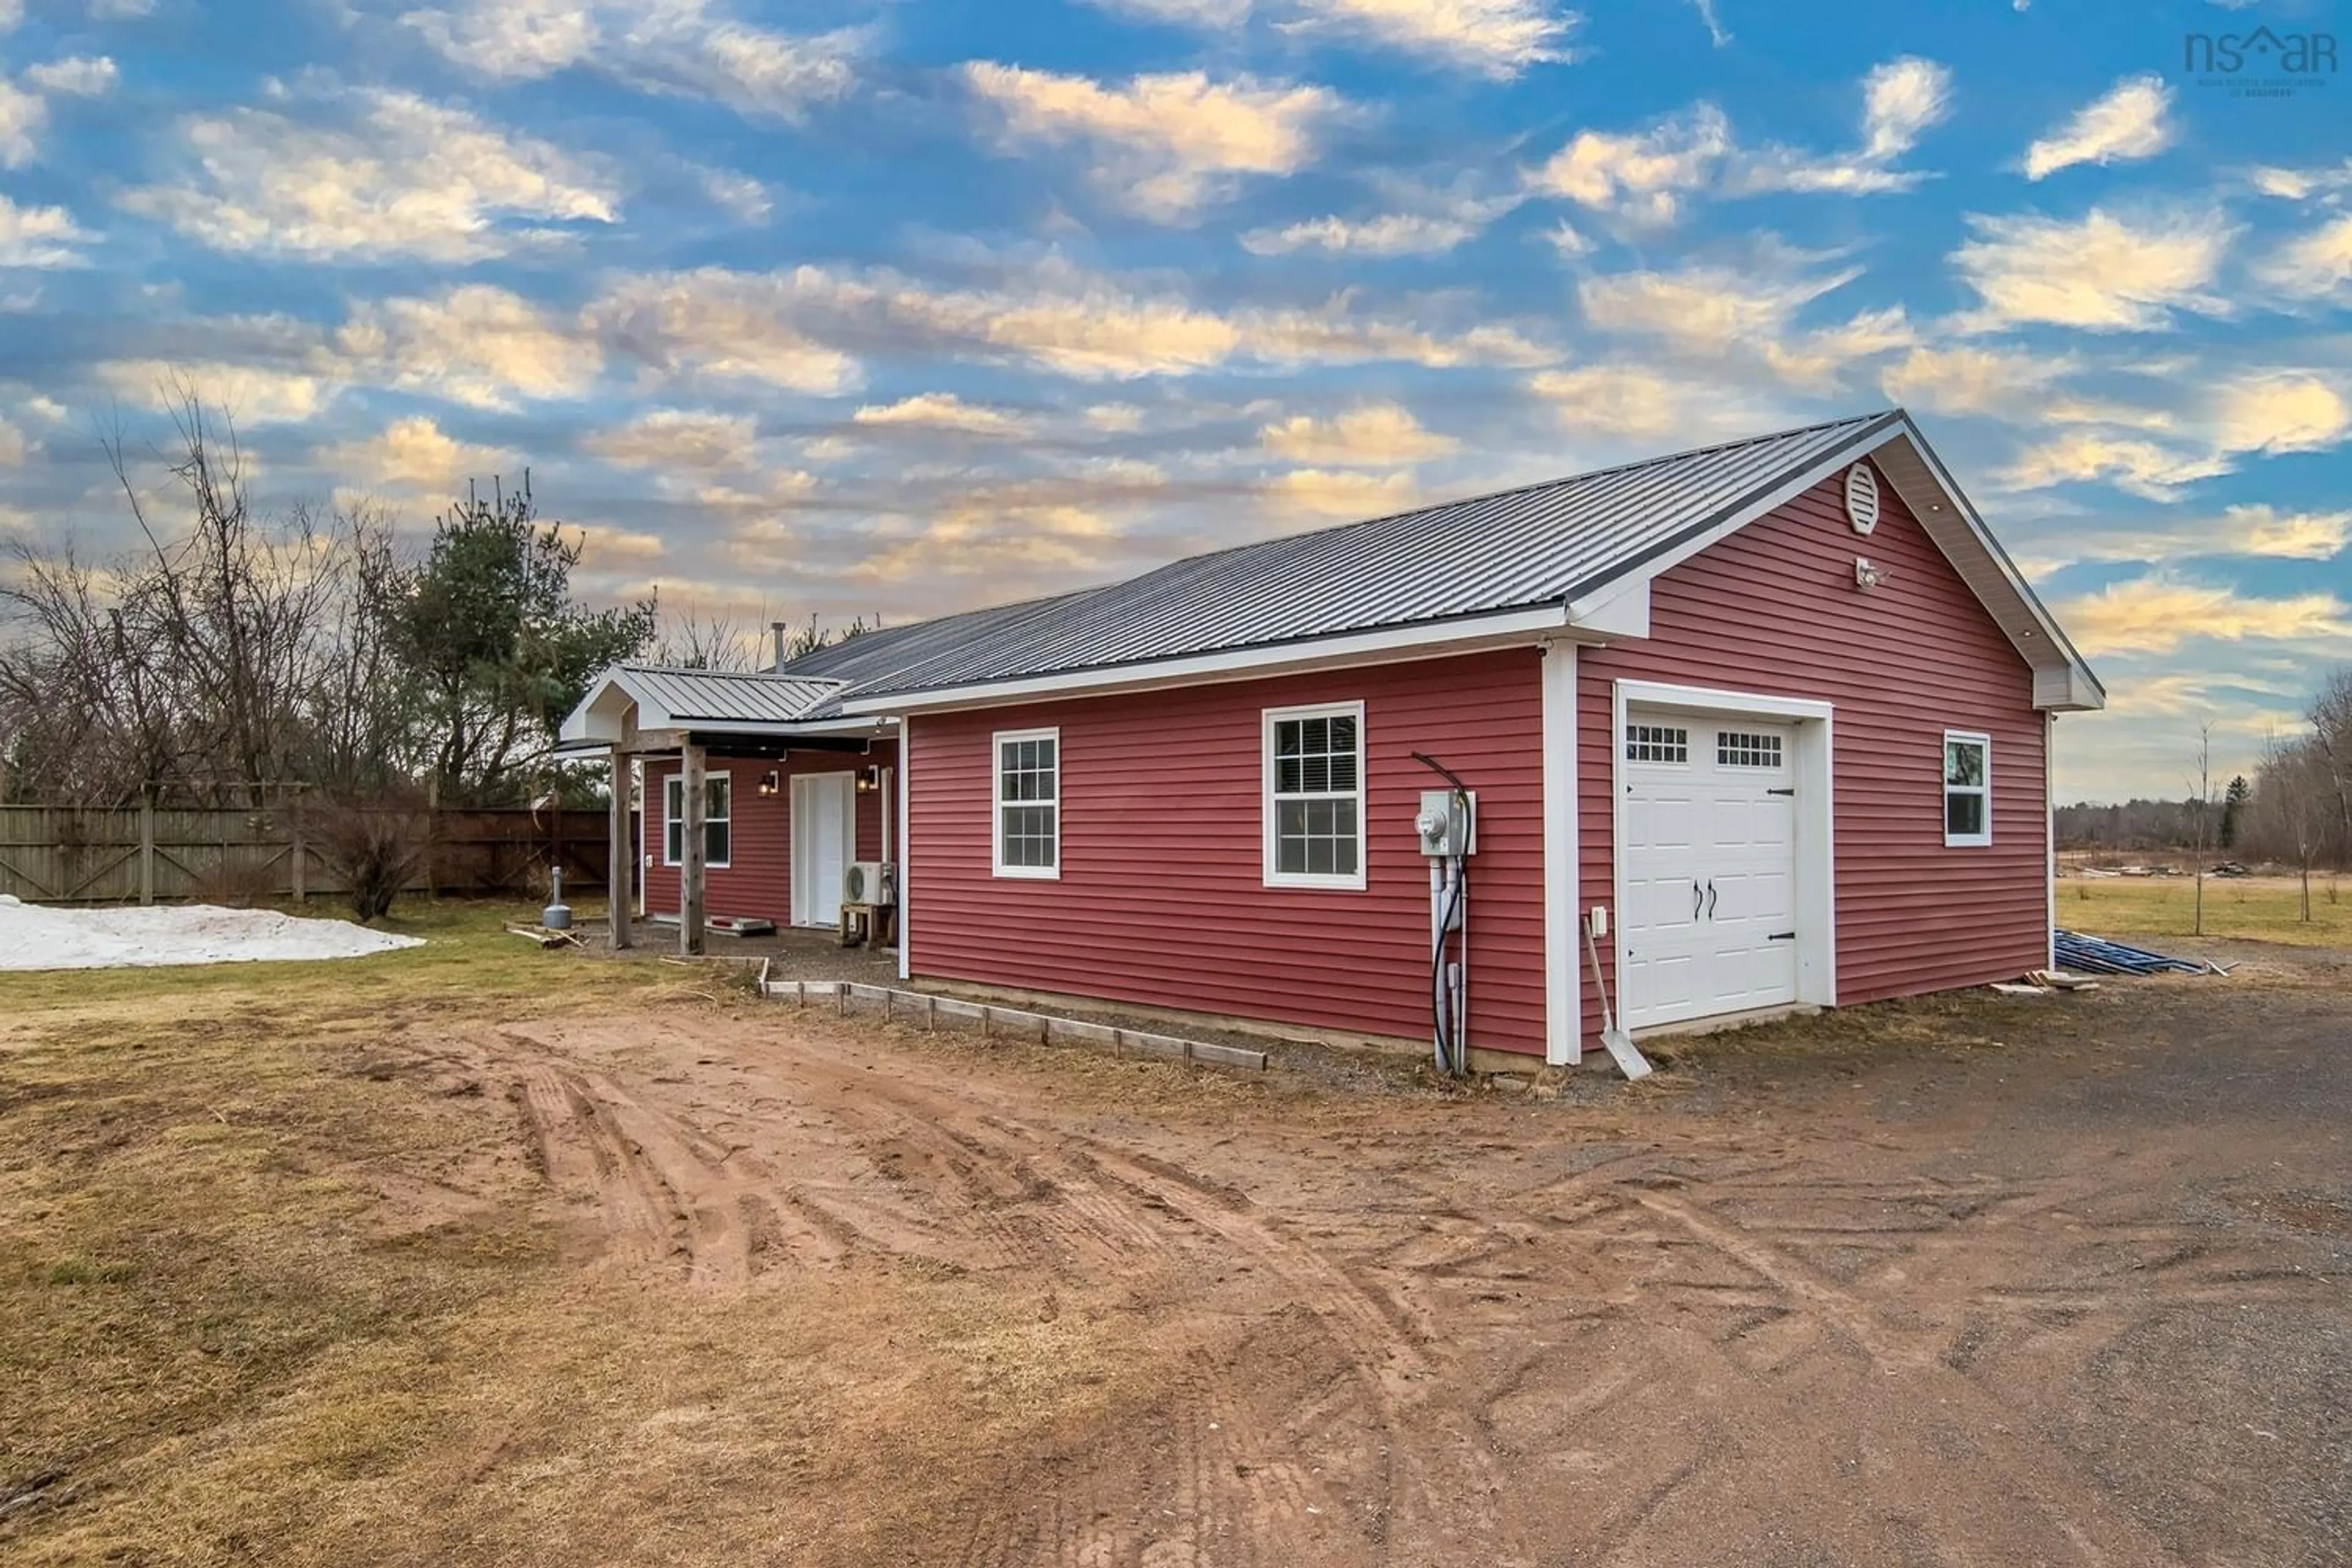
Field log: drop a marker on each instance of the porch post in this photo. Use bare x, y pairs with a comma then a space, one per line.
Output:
692, 852
621, 879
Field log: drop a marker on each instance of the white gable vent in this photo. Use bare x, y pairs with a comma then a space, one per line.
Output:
1861, 497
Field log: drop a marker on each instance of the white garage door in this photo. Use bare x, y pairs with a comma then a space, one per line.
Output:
1707, 849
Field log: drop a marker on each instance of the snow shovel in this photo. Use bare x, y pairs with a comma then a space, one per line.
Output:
1620, 1044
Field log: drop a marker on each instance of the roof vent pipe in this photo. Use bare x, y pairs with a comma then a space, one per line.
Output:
778, 628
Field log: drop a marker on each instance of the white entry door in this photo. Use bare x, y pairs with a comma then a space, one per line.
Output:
1707, 866
825, 834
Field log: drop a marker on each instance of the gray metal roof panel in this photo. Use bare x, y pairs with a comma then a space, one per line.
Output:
710, 696
1542, 544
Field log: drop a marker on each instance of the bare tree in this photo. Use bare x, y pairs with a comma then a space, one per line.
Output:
2202, 810
685, 639
2293, 803
2331, 722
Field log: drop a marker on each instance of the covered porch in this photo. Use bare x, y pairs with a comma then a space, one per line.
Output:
736, 797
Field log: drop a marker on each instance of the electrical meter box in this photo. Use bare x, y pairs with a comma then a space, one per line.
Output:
1448, 822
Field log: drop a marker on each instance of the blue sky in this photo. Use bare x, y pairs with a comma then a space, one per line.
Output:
840, 307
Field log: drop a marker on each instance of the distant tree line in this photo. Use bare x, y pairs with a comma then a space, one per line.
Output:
2295, 811
232, 652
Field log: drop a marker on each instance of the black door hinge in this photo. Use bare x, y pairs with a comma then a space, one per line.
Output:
1790, 791
1782, 936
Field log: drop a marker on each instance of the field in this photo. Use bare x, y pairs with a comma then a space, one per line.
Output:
2267, 909
476, 1254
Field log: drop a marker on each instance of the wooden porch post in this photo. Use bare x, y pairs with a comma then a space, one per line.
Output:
692, 853
620, 879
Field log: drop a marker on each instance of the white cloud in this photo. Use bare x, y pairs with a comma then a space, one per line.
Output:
1169, 143
119, 10
1715, 32
798, 327
13, 447
401, 176
674, 48
1901, 99
1392, 233
2313, 266
1634, 401
2301, 184
1119, 419
740, 194
22, 117
2262, 529
474, 345
1180, 13
1644, 175
1375, 435
414, 455
2279, 411
2104, 273
2157, 613
78, 76
1569, 242
1497, 38
2128, 122
2139, 467
675, 440
38, 237
248, 394
732, 324
1994, 384
1720, 314
942, 411
1329, 493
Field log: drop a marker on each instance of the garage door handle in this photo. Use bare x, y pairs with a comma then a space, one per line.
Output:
1710, 898
1699, 898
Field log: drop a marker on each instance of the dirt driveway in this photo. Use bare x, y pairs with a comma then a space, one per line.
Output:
2059, 1281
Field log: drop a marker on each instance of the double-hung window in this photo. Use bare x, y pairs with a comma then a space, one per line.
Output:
718, 820
1968, 789
1315, 796
1028, 830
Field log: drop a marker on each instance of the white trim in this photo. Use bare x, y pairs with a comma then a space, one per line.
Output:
1267, 719
677, 777
997, 803
1945, 787
1563, 934
2050, 825
906, 843
1433, 639
1814, 765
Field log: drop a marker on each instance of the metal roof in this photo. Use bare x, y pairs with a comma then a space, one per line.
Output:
1541, 544
710, 696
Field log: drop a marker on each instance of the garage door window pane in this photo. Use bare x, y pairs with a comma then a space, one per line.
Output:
1656, 743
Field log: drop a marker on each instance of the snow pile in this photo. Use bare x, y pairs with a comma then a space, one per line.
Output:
32, 937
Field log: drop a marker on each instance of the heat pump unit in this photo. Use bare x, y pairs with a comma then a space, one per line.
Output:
868, 882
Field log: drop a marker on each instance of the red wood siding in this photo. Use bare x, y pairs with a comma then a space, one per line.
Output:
758, 879
1774, 609
1161, 897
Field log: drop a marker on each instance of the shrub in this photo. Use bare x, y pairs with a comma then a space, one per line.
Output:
375, 846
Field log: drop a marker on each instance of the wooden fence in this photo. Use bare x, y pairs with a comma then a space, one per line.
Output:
59, 854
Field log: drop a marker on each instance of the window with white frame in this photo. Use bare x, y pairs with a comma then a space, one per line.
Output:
1657, 743
1028, 832
1315, 796
718, 820
1968, 789
1742, 749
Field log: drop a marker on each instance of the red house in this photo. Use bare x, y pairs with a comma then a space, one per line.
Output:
1769, 722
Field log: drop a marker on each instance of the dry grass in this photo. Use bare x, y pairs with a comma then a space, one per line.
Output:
2262, 909
266, 1293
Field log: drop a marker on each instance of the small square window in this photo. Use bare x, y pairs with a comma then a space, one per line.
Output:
1656, 743
1736, 749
